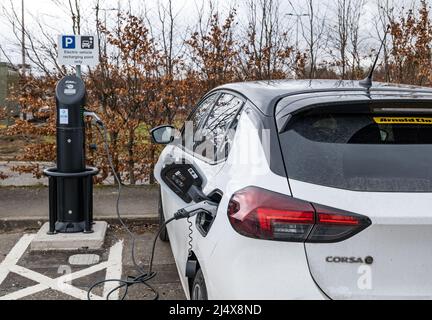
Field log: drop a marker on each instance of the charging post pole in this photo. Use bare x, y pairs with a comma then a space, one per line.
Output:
71, 182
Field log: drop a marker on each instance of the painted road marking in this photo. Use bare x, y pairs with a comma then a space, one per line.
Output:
14, 255
62, 284
84, 260
114, 271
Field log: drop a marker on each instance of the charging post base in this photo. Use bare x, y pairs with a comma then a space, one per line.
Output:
70, 242
70, 201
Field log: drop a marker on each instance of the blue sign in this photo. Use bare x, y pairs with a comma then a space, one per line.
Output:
68, 42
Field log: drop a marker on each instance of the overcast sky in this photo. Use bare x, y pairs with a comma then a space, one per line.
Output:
57, 21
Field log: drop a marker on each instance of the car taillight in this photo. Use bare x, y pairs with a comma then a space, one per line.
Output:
262, 214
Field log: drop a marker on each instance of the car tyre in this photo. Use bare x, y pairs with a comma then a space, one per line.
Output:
164, 234
199, 288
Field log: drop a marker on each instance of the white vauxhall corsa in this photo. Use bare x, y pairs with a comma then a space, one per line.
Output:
323, 190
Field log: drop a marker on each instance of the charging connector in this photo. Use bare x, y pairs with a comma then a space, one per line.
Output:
193, 210
95, 117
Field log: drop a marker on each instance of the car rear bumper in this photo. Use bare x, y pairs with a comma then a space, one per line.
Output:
247, 269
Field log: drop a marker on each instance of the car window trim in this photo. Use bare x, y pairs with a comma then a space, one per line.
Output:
239, 111
219, 93
195, 110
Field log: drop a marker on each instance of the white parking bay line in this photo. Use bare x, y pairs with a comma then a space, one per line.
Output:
15, 255
114, 270
46, 283
25, 292
62, 284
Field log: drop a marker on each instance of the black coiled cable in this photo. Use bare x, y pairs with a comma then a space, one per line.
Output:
143, 278
190, 243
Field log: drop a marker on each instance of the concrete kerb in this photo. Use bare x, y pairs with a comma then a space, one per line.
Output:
33, 224
70, 241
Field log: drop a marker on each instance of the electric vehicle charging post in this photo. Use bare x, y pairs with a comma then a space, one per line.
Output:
71, 182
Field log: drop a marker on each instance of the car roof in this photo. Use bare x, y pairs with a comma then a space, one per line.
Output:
266, 95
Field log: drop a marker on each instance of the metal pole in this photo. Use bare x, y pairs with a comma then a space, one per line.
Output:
105, 21
23, 67
23, 53
297, 34
78, 67
53, 217
298, 16
78, 71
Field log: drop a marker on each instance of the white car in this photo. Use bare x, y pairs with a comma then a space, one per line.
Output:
323, 190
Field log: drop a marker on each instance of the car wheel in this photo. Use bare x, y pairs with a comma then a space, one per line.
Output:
199, 289
164, 234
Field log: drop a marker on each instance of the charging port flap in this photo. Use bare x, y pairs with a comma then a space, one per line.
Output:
182, 178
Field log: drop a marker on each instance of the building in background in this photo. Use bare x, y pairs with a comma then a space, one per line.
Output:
9, 76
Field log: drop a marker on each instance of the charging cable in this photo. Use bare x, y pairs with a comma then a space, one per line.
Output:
144, 276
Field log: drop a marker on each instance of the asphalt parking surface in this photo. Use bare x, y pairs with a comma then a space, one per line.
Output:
52, 265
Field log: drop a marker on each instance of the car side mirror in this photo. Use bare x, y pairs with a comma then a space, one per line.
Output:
163, 134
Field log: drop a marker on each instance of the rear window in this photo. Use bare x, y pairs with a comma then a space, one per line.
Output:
361, 152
